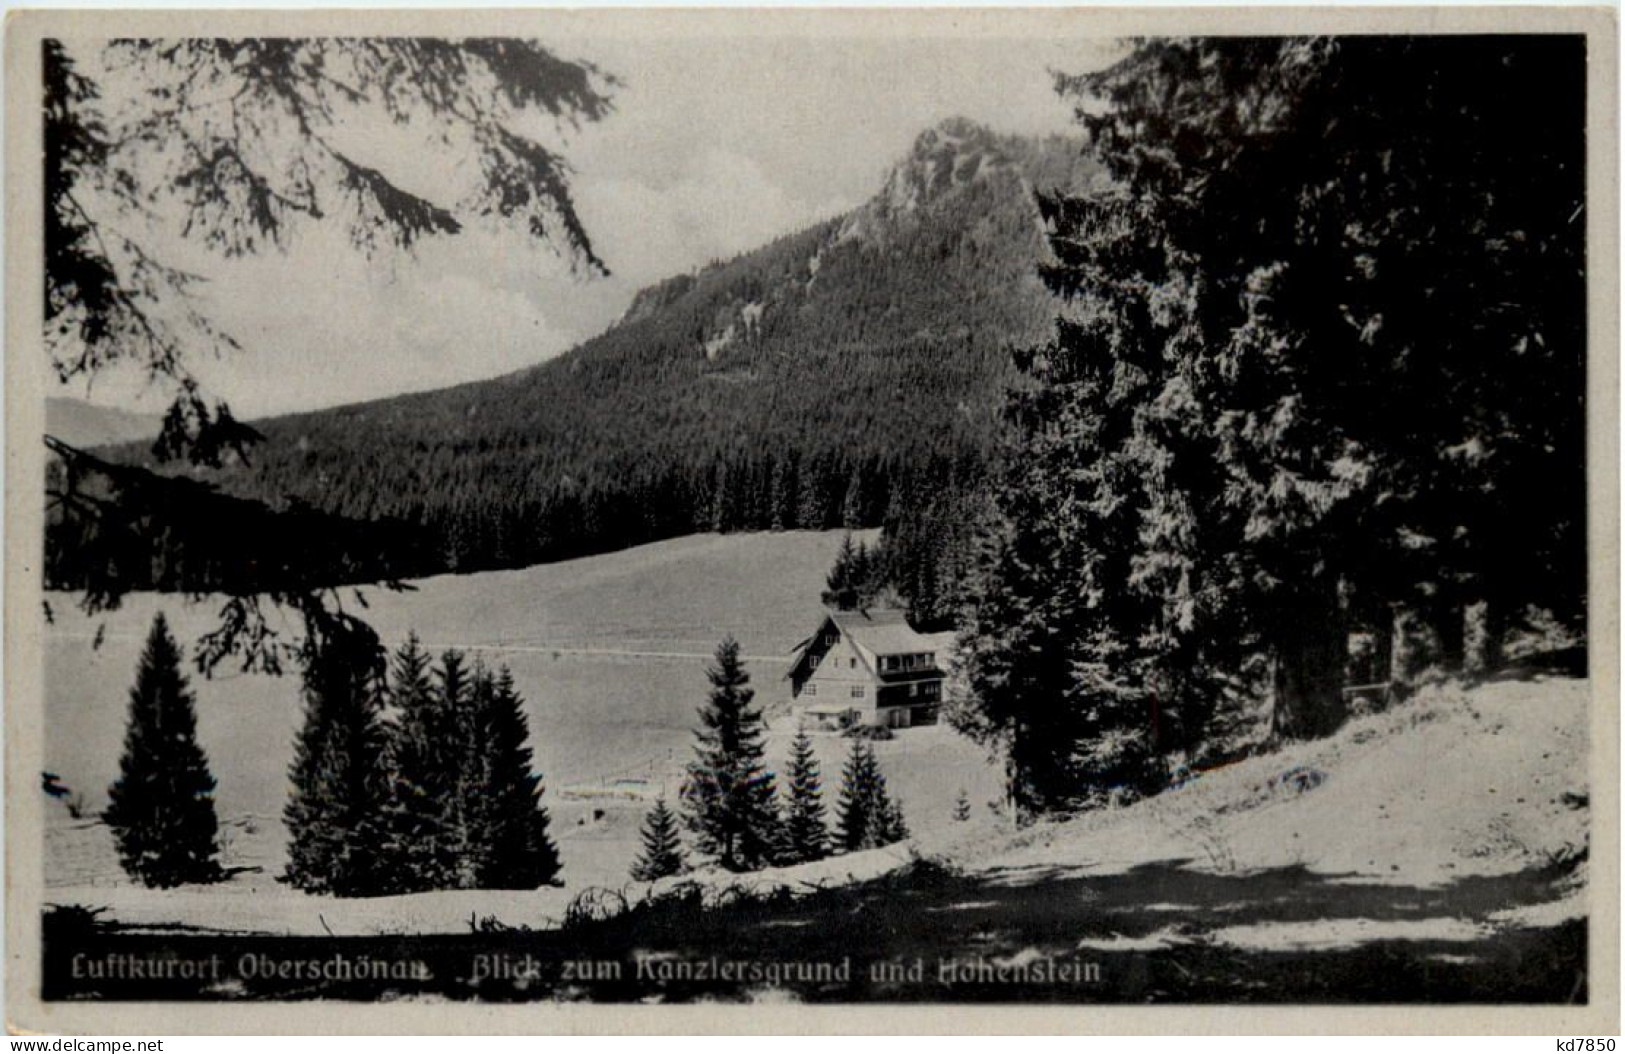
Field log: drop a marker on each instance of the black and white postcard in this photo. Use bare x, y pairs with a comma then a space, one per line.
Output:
901, 520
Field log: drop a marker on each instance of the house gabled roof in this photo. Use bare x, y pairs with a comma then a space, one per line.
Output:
881, 631
875, 632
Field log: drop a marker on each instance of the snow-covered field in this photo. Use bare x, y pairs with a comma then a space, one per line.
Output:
1484, 781
1448, 799
609, 653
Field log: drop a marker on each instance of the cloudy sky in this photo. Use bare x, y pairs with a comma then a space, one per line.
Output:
718, 143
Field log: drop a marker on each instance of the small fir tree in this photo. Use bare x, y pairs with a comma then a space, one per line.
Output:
867, 817
891, 828
806, 837
662, 854
728, 794
161, 809
962, 807
336, 815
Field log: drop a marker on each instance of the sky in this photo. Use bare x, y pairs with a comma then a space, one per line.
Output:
719, 142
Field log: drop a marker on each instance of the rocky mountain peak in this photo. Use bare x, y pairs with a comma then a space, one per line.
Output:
955, 152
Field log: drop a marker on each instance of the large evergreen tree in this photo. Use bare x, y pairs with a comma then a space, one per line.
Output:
662, 854
472, 809
1047, 657
336, 816
728, 793
508, 842
1372, 319
456, 682
465, 810
1318, 363
419, 813
161, 809
805, 833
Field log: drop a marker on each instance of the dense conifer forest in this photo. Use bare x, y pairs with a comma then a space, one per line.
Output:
1311, 420
850, 374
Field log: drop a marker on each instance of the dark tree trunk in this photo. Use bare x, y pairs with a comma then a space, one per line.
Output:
1383, 630
1450, 637
1486, 636
1311, 654
1407, 653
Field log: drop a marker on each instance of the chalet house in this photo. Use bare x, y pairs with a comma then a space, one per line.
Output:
867, 668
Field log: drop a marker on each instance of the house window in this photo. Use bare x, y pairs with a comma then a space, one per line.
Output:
908, 663
913, 690
930, 658
811, 689
829, 640
931, 689
857, 691
852, 663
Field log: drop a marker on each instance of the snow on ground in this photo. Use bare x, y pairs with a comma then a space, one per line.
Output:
1483, 782
598, 840
610, 653
1325, 935
252, 900
1486, 781
1452, 785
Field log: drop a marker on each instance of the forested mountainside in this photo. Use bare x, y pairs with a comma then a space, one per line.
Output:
848, 374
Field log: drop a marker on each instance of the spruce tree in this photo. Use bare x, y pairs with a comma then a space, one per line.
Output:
962, 807
473, 809
806, 837
867, 816
782, 494
662, 854
1254, 430
161, 809
891, 828
465, 809
336, 816
458, 685
852, 503
853, 817
859, 576
728, 794
841, 585
419, 815
509, 843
